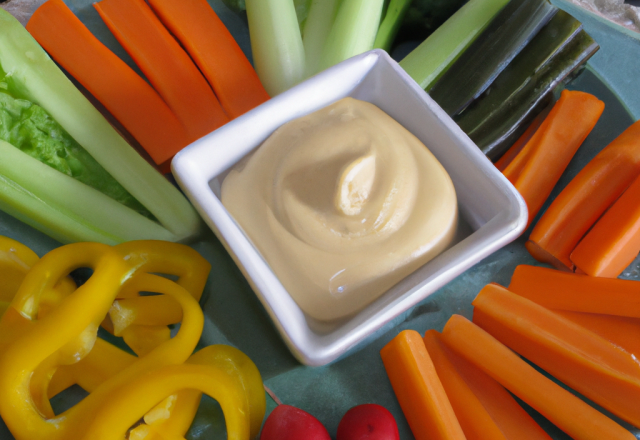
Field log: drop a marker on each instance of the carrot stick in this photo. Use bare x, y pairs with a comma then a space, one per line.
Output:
129, 98
619, 330
513, 170
512, 419
474, 419
165, 64
523, 140
215, 51
552, 147
566, 411
578, 357
614, 242
418, 388
585, 199
556, 289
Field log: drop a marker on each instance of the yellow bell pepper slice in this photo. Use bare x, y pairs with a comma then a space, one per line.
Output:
15, 261
43, 353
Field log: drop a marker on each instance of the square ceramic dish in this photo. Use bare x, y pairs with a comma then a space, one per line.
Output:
491, 211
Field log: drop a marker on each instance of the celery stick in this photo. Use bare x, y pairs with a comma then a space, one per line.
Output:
36, 77
278, 53
302, 11
391, 24
353, 32
28, 127
493, 50
322, 14
64, 208
426, 63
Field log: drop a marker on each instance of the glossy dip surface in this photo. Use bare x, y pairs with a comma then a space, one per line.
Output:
342, 203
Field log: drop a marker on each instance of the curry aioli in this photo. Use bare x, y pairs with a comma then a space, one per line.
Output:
342, 204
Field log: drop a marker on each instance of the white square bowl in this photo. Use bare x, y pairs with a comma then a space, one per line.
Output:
492, 213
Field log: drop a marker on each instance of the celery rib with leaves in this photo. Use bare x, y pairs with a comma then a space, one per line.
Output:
509, 32
64, 169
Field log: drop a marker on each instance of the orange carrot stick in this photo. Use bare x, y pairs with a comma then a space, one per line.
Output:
585, 199
578, 357
418, 388
614, 242
519, 145
129, 98
552, 147
165, 64
512, 419
566, 411
619, 330
556, 289
474, 419
215, 51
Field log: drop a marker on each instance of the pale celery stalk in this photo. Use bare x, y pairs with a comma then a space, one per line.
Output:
38, 79
276, 43
433, 57
353, 32
64, 208
302, 11
322, 14
391, 23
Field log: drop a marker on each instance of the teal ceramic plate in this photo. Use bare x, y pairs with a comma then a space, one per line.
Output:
234, 315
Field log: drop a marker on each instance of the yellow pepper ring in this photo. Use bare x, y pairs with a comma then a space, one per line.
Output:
164, 257
144, 310
220, 371
15, 261
194, 271
25, 343
126, 405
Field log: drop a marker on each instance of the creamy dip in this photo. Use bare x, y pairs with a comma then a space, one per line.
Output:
342, 204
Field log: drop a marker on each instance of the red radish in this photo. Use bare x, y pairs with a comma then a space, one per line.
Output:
368, 422
290, 423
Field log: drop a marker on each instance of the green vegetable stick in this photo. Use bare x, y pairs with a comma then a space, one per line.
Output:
391, 24
322, 14
474, 71
64, 208
496, 119
302, 11
32, 75
353, 32
433, 57
276, 43
28, 127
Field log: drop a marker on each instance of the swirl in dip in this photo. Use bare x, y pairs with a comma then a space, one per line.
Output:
342, 203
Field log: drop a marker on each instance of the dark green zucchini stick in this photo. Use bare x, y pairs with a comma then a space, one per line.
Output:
475, 70
525, 87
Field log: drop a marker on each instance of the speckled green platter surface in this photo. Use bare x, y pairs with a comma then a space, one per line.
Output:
234, 316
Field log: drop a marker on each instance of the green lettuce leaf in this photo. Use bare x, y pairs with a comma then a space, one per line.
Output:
53, 202
28, 127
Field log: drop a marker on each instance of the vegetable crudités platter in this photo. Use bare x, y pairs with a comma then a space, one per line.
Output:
235, 317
